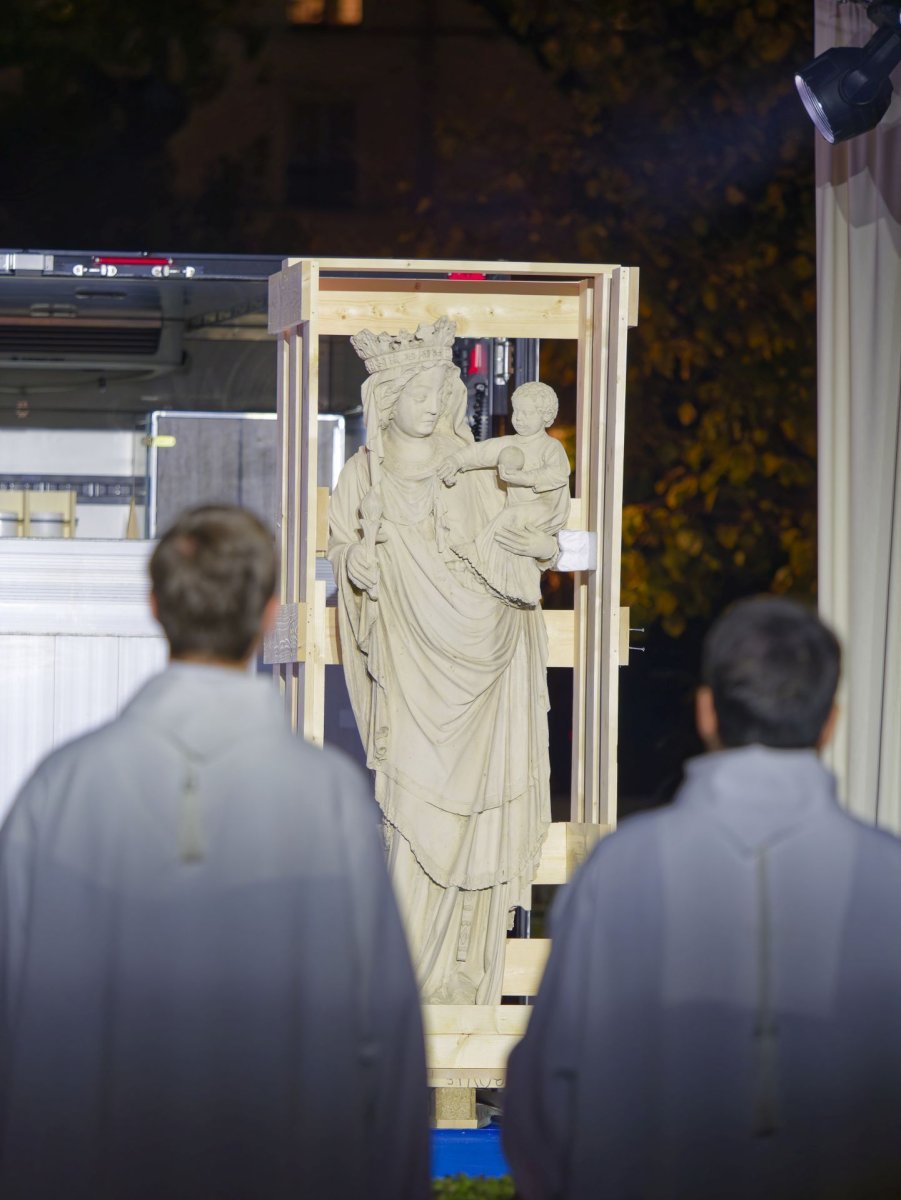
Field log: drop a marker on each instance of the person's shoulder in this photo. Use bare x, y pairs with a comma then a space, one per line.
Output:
880, 846
53, 775
620, 853
327, 765
606, 881
89, 746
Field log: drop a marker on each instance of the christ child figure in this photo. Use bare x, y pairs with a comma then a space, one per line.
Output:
533, 468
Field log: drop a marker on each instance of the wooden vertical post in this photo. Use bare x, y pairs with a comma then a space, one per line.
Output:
610, 554
580, 580
312, 714
293, 314
596, 518
590, 456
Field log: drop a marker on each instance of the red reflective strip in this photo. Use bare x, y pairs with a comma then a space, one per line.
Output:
467, 275
137, 260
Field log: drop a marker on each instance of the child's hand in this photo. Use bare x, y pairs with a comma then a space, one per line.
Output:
518, 478
447, 471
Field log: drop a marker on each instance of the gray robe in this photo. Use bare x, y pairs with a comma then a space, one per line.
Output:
205, 993
721, 1012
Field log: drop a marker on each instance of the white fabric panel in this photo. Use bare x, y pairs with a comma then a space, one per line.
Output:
859, 358
76, 642
26, 710
85, 685
139, 658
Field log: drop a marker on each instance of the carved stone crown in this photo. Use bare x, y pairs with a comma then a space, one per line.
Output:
429, 344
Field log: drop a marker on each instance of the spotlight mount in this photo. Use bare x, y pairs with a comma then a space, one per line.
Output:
847, 89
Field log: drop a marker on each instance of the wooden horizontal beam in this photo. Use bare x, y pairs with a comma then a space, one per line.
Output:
418, 267
447, 266
519, 310
507, 1019
285, 642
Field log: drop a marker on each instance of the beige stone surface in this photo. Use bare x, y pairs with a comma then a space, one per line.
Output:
446, 674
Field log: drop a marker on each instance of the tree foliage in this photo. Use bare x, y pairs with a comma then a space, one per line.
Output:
677, 145
690, 157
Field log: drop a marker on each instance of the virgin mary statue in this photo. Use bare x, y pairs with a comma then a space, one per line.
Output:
447, 681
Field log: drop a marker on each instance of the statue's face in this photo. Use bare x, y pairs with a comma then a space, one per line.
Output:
529, 415
418, 407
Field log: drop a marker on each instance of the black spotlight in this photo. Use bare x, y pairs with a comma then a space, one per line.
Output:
847, 90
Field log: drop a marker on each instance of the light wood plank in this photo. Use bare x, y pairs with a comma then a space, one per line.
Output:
469, 1051
467, 1046
609, 584
596, 520
504, 1020
373, 286
322, 498
624, 636
475, 314
634, 273
549, 270
524, 964
558, 621
451, 1077
575, 518
566, 847
582, 467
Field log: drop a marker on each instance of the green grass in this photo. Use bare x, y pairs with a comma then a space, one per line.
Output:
472, 1187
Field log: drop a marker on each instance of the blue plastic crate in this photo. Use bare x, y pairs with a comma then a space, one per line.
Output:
468, 1152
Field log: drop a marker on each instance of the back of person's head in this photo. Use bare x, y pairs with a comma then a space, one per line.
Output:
772, 667
213, 573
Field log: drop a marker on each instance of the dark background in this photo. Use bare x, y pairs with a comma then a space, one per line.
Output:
666, 136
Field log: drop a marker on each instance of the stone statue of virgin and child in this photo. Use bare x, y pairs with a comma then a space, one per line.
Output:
437, 545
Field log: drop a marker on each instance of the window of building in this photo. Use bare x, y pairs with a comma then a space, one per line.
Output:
324, 12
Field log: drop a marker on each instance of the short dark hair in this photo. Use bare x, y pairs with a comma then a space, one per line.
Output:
773, 668
213, 573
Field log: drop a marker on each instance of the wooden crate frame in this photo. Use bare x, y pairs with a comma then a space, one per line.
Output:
593, 304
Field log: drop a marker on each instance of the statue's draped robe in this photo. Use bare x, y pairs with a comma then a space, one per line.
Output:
449, 688
205, 993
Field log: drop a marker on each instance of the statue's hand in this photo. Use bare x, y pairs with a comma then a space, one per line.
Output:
447, 470
529, 542
518, 478
362, 569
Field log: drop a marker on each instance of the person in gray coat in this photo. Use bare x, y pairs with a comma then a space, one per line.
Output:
721, 1012
205, 991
